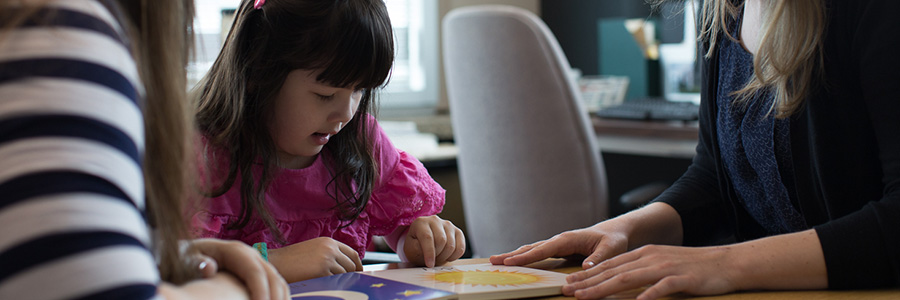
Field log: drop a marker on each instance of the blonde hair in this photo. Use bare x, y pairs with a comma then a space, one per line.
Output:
161, 40
789, 60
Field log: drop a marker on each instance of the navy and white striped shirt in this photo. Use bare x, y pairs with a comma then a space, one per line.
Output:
71, 140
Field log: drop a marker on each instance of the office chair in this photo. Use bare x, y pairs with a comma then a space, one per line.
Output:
528, 159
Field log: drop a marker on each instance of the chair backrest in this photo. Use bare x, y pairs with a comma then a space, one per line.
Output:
529, 163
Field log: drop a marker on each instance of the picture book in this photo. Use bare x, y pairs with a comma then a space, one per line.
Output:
482, 281
464, 282
359, 286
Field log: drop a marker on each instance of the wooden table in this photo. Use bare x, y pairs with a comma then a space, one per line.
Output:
563, 266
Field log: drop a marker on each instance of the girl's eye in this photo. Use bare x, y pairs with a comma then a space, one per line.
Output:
325, 97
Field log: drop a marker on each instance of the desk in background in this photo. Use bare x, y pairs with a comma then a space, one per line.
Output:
564, 266
634, 153
640, 152
671, 139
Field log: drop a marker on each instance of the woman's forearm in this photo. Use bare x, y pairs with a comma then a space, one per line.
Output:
787, 261
657, 223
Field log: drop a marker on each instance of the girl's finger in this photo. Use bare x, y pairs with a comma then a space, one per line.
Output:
439, 235
425, 240
449, 247
353, 262
460, 246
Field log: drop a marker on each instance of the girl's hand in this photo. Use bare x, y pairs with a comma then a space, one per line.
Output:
318, 257
668, 269
598, 243
245, 263
433, 241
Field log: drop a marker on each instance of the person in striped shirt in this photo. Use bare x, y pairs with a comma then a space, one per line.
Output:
94, 138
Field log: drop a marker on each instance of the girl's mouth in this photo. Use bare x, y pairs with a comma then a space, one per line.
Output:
321, 138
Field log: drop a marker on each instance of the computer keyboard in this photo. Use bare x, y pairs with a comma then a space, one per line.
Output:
651, 109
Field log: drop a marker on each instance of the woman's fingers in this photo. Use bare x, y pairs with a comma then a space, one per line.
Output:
500, 259
250, 268
606, 248
261, 279
277, 285
539, 251
206, 266
609, 283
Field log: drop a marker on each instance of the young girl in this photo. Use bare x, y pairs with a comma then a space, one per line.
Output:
798, 161
295, 159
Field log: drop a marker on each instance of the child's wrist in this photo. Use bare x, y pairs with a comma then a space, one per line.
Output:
401, 245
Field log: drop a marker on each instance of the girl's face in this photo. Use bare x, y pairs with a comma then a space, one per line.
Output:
307, 114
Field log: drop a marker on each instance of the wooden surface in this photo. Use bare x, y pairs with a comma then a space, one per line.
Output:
674, 139
564, 266
673, 130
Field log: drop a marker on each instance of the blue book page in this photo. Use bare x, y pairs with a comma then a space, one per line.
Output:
358, 286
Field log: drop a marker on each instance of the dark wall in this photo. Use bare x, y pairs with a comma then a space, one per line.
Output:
574, 22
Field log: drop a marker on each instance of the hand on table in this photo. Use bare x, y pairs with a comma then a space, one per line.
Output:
245, 263
432, 241
318, 257
668, 269
598, 243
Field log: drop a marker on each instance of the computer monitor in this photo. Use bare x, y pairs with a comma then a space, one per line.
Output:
575, 25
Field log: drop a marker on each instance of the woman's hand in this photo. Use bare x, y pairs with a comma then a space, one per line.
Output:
598, 243
318, 257
655, 223
219, 286
432, 241
245, 263
668, 269
793, 261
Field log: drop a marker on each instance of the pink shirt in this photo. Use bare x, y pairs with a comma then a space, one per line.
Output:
302, 209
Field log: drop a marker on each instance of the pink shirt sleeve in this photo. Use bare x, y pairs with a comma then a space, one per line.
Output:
404, 190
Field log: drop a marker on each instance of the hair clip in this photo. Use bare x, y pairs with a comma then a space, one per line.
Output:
258, 4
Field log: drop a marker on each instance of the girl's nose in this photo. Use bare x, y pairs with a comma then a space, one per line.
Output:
344, 110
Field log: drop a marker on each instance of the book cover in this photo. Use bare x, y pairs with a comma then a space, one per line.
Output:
481, 281
359, 286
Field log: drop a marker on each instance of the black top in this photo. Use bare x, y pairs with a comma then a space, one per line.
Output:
845, 144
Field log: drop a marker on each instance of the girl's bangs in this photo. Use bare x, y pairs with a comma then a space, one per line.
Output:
361, 54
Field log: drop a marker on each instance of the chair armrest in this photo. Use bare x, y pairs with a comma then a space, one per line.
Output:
642, 195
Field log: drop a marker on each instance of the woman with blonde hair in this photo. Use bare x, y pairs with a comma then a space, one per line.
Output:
796, 180
94, 143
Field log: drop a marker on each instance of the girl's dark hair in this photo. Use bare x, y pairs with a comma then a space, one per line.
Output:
350, 41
